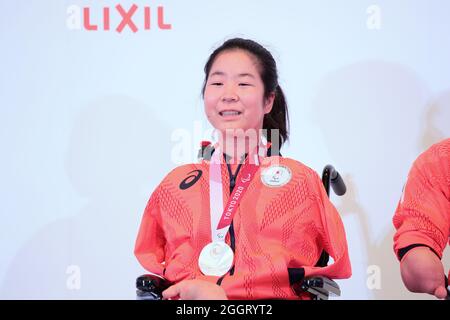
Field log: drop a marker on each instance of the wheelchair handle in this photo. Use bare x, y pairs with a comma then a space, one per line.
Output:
332, 176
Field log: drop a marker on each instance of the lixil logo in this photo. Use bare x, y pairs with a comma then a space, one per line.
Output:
117, 18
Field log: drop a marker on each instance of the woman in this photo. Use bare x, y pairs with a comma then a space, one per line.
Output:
246, 223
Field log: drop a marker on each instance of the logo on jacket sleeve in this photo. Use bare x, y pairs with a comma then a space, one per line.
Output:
190, 180
276, 176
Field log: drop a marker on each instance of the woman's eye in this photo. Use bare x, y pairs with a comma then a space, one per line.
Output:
216, 84
244, 84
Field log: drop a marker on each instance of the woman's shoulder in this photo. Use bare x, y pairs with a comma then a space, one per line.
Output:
293, 167
185, 170
433, 165
435, 158
290, 163
436, 153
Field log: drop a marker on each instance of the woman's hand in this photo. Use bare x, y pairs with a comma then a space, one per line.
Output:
195, 290
423, 272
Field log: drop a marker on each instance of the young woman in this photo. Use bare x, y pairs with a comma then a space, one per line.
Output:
244, 223
422, 220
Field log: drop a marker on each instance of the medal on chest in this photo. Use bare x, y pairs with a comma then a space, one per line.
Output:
217, 258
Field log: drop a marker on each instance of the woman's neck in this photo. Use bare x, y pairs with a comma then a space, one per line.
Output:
237, 148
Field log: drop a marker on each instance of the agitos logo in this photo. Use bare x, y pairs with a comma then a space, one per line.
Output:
116, 18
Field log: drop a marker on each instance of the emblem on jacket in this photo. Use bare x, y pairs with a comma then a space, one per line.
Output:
276, 176
190, 180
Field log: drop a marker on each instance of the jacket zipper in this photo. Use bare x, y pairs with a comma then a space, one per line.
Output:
231, 230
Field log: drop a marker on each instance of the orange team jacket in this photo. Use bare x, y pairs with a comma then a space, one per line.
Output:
423, 213
274, 228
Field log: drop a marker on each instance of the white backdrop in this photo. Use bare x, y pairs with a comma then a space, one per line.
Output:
89, 122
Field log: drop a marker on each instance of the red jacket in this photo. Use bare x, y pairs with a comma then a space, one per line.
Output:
275, 228
423, 213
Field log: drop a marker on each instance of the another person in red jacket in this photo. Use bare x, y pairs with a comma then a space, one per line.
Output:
422, 220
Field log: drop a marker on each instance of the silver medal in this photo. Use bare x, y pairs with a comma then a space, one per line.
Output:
215, 259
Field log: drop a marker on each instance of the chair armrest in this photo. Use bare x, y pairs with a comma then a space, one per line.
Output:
150, 287
320, 287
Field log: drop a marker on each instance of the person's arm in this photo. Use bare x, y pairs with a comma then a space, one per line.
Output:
334, 240
150, 242
195, 290
422, 223
422, 272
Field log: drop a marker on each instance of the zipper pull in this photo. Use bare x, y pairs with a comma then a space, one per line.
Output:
232, 183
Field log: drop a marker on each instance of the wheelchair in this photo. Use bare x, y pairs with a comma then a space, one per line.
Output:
150, 287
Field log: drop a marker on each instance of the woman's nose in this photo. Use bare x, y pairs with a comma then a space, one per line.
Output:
229, 95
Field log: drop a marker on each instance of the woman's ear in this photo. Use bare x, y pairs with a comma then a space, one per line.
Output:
268, 102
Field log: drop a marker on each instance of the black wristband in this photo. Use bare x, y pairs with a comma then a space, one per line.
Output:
401, 252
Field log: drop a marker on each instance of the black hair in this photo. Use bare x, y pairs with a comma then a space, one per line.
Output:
278, 117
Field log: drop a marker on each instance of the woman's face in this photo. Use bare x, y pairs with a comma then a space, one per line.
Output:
234, 93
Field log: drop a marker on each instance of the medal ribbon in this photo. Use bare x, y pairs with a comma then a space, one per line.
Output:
221, 218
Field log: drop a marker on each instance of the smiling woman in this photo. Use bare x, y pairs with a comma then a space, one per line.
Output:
241, 92
234, 99
249, 224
